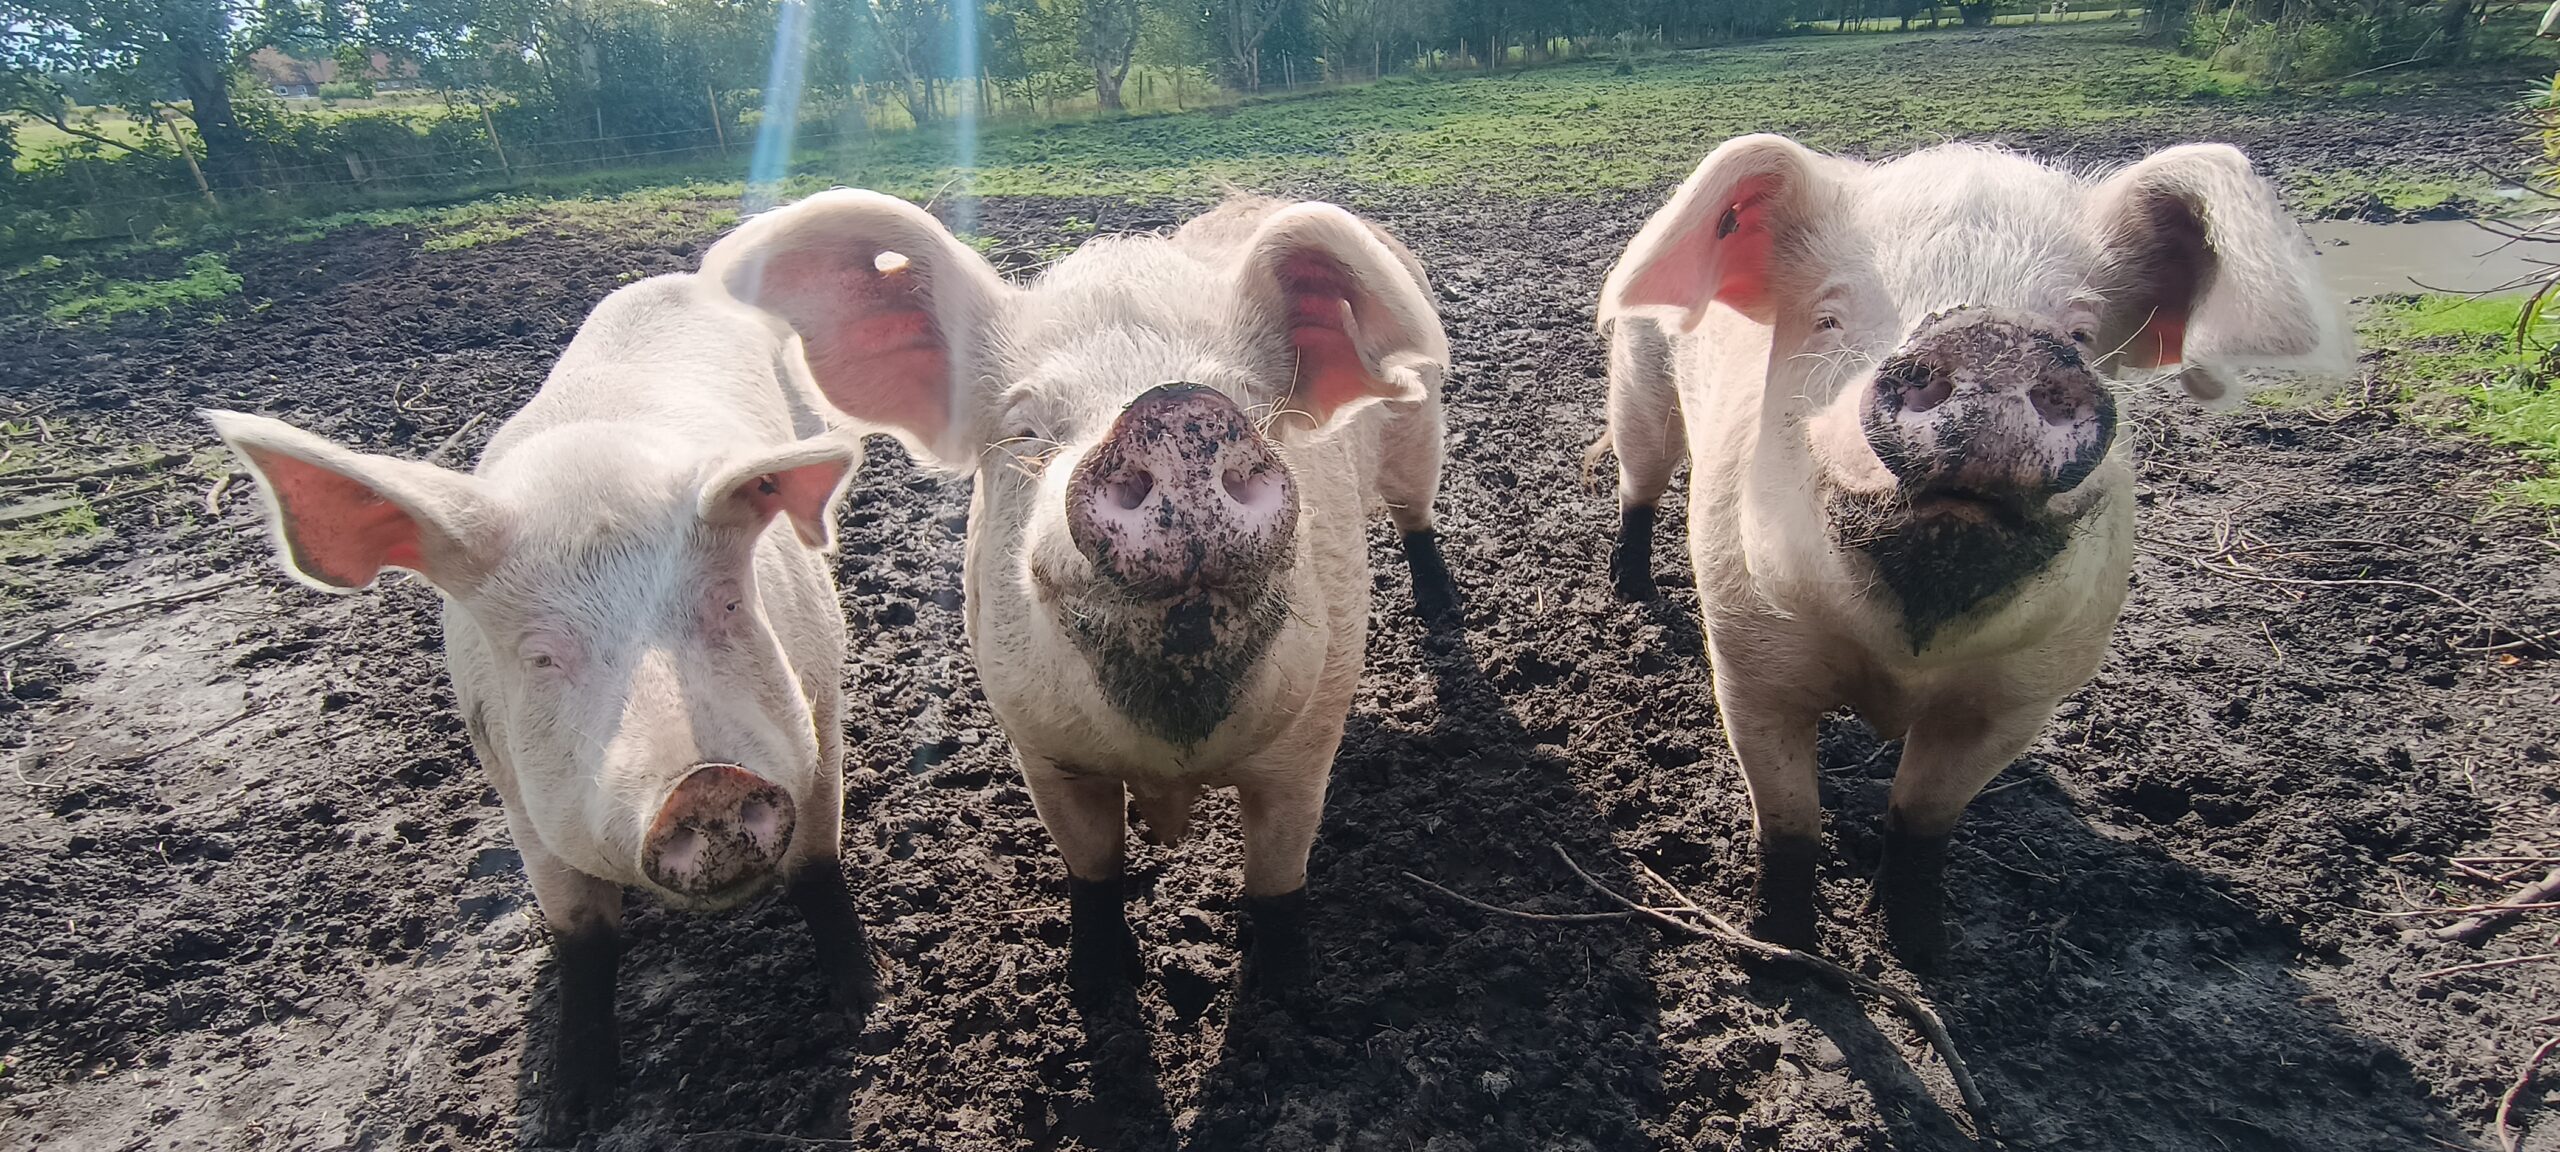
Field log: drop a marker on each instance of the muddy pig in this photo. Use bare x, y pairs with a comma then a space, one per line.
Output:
1908, 495
1175, 442
649, 668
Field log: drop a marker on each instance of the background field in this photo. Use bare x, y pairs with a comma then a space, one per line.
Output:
255, 894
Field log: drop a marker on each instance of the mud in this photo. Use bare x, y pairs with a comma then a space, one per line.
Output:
255, 894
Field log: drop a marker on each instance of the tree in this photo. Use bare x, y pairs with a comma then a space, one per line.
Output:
1244, 24
907, 38
144, 50
1110, 42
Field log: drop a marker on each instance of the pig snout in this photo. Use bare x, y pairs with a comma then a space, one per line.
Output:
1183, 493
1982, 406
722, 830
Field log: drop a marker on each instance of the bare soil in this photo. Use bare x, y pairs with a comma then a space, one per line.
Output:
254, 892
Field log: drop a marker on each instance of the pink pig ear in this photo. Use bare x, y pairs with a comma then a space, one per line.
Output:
895, 315
1717, 240
805, 480
1360, 322
341, 517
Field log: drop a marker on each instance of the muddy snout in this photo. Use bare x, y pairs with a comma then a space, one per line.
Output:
1184, 493
724, 829
1989, 407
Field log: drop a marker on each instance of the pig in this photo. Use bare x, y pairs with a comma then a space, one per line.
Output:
1908, 494
1176, 441
648, 665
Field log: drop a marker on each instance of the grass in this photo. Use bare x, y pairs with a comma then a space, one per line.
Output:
207, 279
2454, 363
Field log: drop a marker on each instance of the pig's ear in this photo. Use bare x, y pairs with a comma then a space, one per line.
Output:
805, 480
1361, 325
2204, 268
341, 517
895, 315
1718, 239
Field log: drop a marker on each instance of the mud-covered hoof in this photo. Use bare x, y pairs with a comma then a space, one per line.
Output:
1435, 592
1278, 965
586, 1052
1631, 562
1782, 898
844, 952
1911, 893
1102, 954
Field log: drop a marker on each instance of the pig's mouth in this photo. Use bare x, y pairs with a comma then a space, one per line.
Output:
1174, 662
1949, 552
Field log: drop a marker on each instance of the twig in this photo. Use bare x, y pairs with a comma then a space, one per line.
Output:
2535, 895
2542, 640
183, 741
1519, 913
776, 1138
1913, 1008
2507, 1139
2463, 909
456, 438
120, 468
2485, 965
198, 592
213, 495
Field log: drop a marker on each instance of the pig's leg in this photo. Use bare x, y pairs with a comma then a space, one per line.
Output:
584, 915
1948, 755
585, 918
1087, 816
1774, 740
1411, 454
1280, 813
1646, 431
816, 885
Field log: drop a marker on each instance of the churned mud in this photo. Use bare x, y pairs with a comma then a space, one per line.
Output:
254, 893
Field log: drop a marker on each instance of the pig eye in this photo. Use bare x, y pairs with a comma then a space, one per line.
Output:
2082, 336
542, 660
1826, 323
731, 606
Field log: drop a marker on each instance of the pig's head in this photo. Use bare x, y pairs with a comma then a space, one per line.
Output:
629, 680
1131, 417
1943, 328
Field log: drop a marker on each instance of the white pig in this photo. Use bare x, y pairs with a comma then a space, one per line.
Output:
1907, 494
649, 675
1176, 442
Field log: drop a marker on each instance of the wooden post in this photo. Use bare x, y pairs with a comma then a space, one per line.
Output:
180, 142
717, 132
494, 144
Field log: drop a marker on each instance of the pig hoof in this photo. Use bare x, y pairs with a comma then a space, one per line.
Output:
844, 954
1911, 890
586, 1052
1784, 894
1101, 952
1631, 562
1277, 964
1435, 592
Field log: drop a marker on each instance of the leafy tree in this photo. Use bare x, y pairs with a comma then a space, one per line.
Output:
144, 51
1109, 38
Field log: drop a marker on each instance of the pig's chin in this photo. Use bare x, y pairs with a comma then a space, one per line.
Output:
1949, 554
1173, 661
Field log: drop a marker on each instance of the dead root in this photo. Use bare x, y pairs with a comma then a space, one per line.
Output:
1709, 925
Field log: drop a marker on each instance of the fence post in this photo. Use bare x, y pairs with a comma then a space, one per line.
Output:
494, 144
717, 132
180, 142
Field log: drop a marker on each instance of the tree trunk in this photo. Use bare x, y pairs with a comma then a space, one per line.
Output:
1106, 89
1976, 15
228, 159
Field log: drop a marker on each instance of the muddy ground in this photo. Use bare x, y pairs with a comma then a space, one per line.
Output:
254, 893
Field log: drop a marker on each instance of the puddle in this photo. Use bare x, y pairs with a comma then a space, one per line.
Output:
2359, 259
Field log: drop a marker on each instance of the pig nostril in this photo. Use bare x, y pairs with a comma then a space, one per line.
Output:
1248, 488
758, 818
679, 851
1130, 491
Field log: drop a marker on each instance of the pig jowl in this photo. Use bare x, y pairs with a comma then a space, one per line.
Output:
1188, 517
